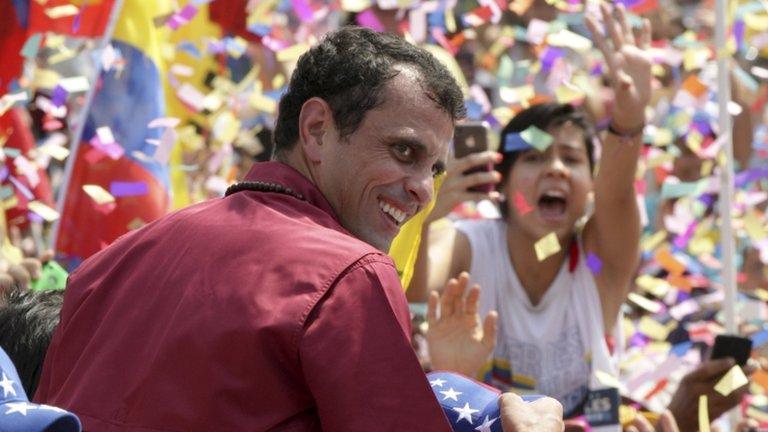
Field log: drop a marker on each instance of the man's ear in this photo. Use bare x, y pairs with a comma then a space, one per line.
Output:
315, 120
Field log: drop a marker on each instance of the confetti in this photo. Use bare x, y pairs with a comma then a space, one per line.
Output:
62, 11
127, 189
731, 381
47, 213
547, 246
31, 46
594, 263
536, 138
703, 414
98, 194
521, 204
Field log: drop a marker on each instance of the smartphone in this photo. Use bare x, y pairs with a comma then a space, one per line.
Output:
468, 138
734, 346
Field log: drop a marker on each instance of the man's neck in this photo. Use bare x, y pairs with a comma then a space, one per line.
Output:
298, 161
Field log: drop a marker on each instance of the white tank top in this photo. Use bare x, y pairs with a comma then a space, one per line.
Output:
552, 348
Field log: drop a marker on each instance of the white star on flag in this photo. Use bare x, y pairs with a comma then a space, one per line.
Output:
465, 413
486, 426
7, 385
450, 394
438, 382
18, 407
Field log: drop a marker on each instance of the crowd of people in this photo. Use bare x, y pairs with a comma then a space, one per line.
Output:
574, 259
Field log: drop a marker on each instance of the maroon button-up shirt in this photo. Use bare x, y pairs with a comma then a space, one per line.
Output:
250, 313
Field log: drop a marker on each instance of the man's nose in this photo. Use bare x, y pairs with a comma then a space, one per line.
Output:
420, 188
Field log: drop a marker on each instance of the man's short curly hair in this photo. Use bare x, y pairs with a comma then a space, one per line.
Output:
349, 69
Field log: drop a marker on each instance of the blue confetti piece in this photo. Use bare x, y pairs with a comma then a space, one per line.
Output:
514, 142
681, 349
474, 110
759, 339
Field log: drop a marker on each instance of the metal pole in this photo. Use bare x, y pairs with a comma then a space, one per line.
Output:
77, 133
726, 178
726, 171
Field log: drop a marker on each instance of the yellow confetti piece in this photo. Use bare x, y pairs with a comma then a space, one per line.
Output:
355, 5
55, 151
757, 22
10, 203
62, 11
11, 252
568, 94
650, 243
663, 137
44, 211
569, 39
292, 53
649, 305
517, 94
98, 194
547, 246
8, 100
703, 414
45, 78
263, 103
657, 287
731, 381
653, 329
694, 58
278, 81
754, 226
225, 127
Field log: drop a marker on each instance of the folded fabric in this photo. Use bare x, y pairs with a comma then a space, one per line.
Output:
470, 406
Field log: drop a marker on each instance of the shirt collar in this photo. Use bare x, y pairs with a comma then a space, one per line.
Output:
280, 173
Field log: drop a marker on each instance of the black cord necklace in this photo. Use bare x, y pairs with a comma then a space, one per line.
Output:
258, 186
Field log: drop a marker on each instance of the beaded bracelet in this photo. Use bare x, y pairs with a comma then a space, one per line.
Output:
626, 136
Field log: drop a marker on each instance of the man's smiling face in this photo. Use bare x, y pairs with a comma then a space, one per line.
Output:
382, 174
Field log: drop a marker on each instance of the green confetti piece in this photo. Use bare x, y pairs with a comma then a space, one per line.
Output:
537, 138
31, 46
683, 189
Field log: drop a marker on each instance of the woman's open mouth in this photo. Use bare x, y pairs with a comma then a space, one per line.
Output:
552, 206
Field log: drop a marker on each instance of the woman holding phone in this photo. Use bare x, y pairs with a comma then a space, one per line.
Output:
557, 286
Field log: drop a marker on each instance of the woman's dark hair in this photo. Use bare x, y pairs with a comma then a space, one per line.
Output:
349, 69
543, 116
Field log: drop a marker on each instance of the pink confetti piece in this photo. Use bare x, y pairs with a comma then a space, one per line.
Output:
302, 10
368, 19
521, 204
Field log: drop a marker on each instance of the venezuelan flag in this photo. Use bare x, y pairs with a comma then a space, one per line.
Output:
125, 102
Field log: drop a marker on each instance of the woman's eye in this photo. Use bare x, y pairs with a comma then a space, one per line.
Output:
532, 157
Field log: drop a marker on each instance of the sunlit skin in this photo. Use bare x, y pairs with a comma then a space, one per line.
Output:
391, 158
564, 167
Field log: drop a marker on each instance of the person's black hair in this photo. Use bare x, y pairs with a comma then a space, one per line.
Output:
349, 69
543, 116
27, 322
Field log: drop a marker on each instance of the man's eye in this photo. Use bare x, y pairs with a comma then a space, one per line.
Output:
403, 151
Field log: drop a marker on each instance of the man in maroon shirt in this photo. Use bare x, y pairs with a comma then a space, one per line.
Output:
275, 308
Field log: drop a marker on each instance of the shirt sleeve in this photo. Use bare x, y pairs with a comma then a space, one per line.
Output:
357, 358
